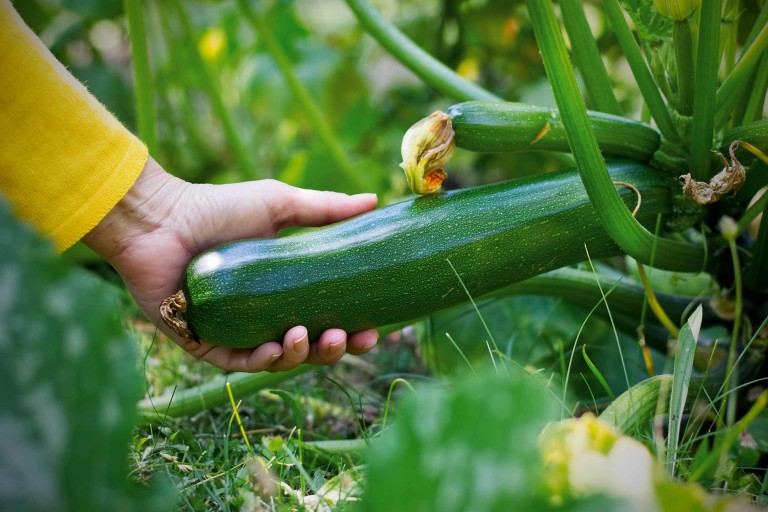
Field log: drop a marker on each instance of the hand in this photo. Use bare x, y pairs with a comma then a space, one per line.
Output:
151, 235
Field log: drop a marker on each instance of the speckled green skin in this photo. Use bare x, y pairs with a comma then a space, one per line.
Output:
497, 127
390, 265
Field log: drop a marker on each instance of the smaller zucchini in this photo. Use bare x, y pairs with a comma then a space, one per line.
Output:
497, 127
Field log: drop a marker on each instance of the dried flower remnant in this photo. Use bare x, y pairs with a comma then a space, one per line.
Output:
427, 147
729, 180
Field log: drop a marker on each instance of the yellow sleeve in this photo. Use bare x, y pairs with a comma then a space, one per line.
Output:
65, 161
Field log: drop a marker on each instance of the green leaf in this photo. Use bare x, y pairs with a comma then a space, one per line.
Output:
681, 379
651, 26
471, 447
70, 385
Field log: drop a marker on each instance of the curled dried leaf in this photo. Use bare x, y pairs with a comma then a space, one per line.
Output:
427, 147
727, 181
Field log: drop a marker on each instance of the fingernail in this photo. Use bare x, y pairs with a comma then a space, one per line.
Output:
368, 345
298, 341
333, 346
274, 358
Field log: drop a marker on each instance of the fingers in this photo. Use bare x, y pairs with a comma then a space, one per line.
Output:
295, 350
291, 206
362, 342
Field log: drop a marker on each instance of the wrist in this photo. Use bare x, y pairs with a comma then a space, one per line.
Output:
141, 211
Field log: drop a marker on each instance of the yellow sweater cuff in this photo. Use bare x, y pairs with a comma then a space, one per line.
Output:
65, 161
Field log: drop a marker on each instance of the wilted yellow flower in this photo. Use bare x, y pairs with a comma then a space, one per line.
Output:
427, 147
677, 10
586, 456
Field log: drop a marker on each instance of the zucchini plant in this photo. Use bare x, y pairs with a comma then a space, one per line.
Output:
676, 190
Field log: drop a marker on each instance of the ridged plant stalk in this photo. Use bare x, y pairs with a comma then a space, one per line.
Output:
588, 59
683, 43
642, 74
210, 85
704, 90
628, 234
146, 118
308, 104
433, 72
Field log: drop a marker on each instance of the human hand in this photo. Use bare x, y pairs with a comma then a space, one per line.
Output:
163, 222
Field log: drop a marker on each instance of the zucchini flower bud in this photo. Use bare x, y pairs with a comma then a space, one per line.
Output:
427, 147
677, 10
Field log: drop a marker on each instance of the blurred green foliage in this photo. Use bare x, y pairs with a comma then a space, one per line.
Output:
366, 96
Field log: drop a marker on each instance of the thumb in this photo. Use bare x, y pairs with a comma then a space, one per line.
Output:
292, 206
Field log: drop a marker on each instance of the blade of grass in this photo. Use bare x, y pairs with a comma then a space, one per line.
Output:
730, 235
461, 353
433, 72
704, 90
720, 451
587, 57
681, 379
308, 104
642, 74
628, 234
210, 85
474, 305
146, 118
597, 374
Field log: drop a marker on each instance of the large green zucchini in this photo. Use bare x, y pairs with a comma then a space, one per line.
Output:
492, 126
391, 265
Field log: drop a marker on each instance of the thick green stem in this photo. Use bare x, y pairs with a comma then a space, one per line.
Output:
628, 234
302, 95
704, 89
739, 78
146, 117
640, 70
211, 394
683, 42
587, 57
433, 72
209, 82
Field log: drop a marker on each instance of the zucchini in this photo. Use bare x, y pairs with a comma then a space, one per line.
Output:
391, 265
487, 126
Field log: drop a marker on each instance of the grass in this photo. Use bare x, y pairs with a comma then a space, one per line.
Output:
308, 436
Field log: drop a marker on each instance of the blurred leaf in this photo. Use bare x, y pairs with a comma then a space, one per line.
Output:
67, 404
758, 429
95, 9
470, 447
111, 89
